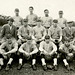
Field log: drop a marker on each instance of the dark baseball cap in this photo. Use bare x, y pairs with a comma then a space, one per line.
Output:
60, 12
11, 19
69, 22
55, 21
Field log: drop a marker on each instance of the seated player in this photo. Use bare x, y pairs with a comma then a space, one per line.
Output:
23, 32
7, 51
9, 29
48, 51
69, 32
39, 32
55, 33
67, 50
28, 51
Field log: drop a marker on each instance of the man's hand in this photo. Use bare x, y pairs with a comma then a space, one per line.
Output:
59, 40
50, 54
27, 54
5, 53
53, 40
70, 54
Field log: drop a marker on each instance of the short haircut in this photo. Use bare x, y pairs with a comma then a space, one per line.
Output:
31, 7
60, 12
46, 10
17, 10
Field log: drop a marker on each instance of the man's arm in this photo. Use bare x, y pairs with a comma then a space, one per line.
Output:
15, 32
51, 21
44, 34
35, 50
61, 49
3, 31
33, 35
49, 33
21, 49
60, 35
54, 49
14, 49
19, 33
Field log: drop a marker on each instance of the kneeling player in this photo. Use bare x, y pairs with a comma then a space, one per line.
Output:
29, 51
48, 51
68, 51
7, 51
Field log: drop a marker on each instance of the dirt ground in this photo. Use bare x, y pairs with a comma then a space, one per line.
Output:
27, 70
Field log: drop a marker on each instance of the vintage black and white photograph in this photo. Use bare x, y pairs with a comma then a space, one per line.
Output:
37, 37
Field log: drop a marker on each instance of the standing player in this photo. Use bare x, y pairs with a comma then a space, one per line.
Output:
7, 51
9, 30
62, 21
17, 19
29, 51
23, 32
48, 51
32, 18
46, 20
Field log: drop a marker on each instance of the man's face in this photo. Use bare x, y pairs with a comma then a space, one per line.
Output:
67, 43
29, 41
70, 24
31, 10
55, 24
10, 22
46, 13
47, 40
38, 23
25, 24
60, 15
16, 13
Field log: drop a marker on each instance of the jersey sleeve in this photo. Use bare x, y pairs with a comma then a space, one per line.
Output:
41, 46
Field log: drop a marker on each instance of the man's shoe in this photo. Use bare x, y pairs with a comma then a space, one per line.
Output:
67, 67
50, 67
55, 68
7, 67
19, 67
34, 67
44, 67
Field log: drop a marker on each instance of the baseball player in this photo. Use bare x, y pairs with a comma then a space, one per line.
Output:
18, 21
62, 21
68, 51
23, 32
7, 51
46, 20
48, 51
28, 51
